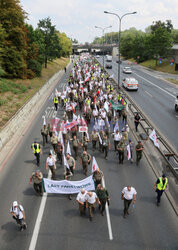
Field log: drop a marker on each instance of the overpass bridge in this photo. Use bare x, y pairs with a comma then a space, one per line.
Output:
109, 49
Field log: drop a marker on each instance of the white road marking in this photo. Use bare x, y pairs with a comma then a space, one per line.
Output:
148, 93
172, 90
39, 219
155, 85
108, 216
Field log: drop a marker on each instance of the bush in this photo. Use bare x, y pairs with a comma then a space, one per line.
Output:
35, 66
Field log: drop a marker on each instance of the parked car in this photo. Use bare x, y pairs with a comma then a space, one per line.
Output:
176, 104
108, 66
127, 70
130, 83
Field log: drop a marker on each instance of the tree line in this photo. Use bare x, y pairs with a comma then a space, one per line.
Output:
23, 49
154, 43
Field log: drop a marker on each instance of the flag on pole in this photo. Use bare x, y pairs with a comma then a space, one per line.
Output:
114, 113
106, 107
75, 117
44, 120
154, 138
94, 165
100, 140
127, 107
68, 151
128, 152
65, 162
73, 108
62, 143
79, 120
84, 123
104, 83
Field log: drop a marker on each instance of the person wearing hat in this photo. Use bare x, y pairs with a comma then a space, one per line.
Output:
161, 185
82, 201
18, 214
37, 178
139, 148
37, 151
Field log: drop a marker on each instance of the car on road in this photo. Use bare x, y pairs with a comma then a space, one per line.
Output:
127, 70
130, 84
108, 58
176, 103
108, 66
98, 56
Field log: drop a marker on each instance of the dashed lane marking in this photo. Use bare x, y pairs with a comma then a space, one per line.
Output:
148, 93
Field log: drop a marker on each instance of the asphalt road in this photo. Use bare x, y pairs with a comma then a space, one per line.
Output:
155, 97
147, 227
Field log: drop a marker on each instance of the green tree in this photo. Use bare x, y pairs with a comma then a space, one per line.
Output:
51, 41
65, 44
14, 53
174, 34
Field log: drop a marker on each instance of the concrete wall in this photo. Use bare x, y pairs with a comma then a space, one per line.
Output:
24, 114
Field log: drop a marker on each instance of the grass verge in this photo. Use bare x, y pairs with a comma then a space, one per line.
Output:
172, 80
14, 93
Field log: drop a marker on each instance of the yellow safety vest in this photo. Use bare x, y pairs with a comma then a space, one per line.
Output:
160, 185
65, 100
37, 150
55, 100
88, 101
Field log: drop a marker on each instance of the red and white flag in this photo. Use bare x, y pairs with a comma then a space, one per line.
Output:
68, 151
94, 165
154, 138
79, 120
75, 117
84, 123
73, 108
128, 152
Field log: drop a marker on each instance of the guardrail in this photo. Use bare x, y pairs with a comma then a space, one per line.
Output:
165, 149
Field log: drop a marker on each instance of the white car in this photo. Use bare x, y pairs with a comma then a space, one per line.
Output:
97, 56
176, 104
130, 83
127, 70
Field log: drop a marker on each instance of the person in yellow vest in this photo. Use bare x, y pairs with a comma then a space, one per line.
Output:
161, 185
56, 102
37, 151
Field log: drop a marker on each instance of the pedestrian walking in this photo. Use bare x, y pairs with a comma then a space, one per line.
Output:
94, 138
58, 151
37, 178
71, 162
54, 141
128, 195
81, 199
85, 161
55, 100
139, 149
67, 176
106, 146
37, 151
44, 133
103, 197
18, 214
120, 149
91, 200
97, 177
51, 164
65, 69
161, 185
137, 121
76, 145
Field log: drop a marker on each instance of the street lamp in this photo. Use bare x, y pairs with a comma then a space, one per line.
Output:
103, 29
119, 41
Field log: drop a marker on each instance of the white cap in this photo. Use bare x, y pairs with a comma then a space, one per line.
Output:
15, 203
82, 190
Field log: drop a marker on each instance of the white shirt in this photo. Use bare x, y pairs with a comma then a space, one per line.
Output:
92, 199
117, 137
128, 195
17, 211
81, 197
95, 112
103, 115
50, 161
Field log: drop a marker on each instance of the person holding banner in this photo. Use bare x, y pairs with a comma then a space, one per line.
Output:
51, 164
81, 199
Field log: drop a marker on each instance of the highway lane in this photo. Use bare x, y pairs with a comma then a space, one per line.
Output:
148, 227
156, 98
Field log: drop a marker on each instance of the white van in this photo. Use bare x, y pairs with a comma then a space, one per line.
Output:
108, 58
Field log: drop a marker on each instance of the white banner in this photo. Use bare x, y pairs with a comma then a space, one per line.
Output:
68, 187
83, 129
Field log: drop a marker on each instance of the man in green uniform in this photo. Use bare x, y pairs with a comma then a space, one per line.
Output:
106, 146
103, 196
85, 160
139, 148
120, 149
44, 133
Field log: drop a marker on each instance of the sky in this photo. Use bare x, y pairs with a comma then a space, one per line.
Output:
78, 18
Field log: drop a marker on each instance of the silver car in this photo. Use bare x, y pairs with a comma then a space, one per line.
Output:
127, 70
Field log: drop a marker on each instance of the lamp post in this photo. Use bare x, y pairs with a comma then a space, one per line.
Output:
119, 40
103, 29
